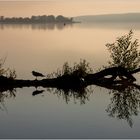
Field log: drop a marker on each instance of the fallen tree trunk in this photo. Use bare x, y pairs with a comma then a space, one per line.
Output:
75, 81
121, 72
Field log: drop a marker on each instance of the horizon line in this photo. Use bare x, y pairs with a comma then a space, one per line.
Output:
109, 14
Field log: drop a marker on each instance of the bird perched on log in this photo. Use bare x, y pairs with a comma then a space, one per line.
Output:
37, 74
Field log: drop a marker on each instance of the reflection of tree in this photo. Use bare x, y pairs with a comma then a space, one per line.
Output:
38, 26
5, 95
43, 26
80, 95
124, 104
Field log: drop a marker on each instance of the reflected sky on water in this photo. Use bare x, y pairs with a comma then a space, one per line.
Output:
95, 112
98, 113
45, 48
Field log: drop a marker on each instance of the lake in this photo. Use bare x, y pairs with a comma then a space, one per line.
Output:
100, 113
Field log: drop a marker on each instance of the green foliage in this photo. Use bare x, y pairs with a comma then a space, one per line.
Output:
124, 52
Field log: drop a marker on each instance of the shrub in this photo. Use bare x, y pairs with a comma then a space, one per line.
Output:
124, 52
6, 72
78, 69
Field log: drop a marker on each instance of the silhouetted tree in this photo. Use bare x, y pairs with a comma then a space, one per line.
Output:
6, 72
43, 18
1, 18
50, 18
36, 19
26, 20
124, 52
61, 18
71, 19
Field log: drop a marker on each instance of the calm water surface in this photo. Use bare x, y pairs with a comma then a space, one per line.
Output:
100, 113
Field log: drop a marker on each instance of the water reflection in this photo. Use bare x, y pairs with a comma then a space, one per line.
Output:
36, 92
82, 95
4, 95
60, 26
50, 26
124, 104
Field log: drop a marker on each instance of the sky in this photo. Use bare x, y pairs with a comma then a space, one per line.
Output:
70, 8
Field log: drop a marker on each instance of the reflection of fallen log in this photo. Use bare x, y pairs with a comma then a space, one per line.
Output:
74, 81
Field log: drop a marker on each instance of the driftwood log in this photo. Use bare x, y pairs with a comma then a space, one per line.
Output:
74, 82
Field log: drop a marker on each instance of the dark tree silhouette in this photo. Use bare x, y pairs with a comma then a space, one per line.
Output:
50, 18
37, 19
124, 52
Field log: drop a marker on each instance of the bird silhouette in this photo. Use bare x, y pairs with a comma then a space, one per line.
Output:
37, 74
36, 92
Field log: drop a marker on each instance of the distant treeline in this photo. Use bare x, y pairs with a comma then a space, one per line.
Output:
37, 19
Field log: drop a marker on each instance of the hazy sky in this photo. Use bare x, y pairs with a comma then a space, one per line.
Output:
67, 7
